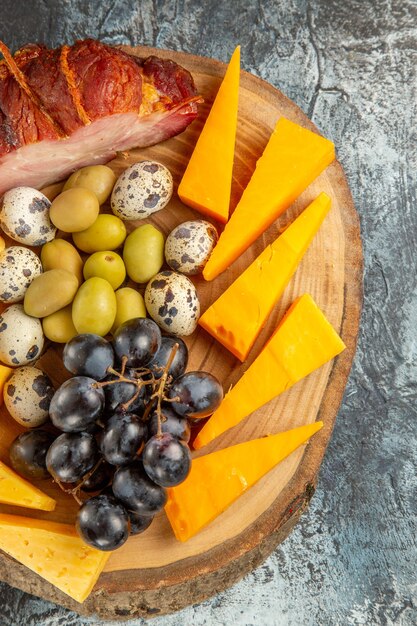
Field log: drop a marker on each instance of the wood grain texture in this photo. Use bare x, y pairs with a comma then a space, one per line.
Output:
170, 574
351, 66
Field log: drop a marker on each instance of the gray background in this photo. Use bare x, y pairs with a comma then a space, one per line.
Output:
351, 67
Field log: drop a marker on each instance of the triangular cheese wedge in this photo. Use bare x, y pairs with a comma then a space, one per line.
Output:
207, 181
236, 318
292, 159
54, 551
17, 491
218, 479
303, 341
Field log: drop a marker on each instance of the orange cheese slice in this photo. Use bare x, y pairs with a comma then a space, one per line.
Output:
236, 318
54, 551
218, 479
292, 159
17, 491
207, 181
303, 341
5, 373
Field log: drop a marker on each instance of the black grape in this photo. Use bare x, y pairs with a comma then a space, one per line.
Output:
76, 404
122, 438
71, 456
103, 523
137, 492
170, 423
138, 339
166, 460
199, 394
178, 365
94, 429
139, 523
28, 453
88, 355
100, 478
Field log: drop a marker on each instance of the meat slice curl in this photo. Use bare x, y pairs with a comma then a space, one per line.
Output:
79, 105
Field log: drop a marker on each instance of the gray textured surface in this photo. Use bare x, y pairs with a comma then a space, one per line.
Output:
352, 67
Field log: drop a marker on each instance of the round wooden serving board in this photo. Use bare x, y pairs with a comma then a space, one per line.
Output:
153, 573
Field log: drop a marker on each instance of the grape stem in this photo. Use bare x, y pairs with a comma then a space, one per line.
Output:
147, 410
124, 407
74, 492
157, 384
70, 492
84, 479
123, 368
121, 378
159, 393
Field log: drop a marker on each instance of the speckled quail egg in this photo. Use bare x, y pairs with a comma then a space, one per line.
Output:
27, 396
142, 189
171, 300
189, 245
24, 216
21, 337
18, 267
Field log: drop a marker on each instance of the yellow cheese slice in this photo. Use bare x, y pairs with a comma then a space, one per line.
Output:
54, 551
207, 181
218, 479
292, 159
17, 491
236, 318
303, 341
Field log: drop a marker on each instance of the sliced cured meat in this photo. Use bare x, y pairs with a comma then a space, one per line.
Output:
65, 108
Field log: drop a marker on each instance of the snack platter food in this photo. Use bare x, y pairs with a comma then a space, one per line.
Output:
153, 573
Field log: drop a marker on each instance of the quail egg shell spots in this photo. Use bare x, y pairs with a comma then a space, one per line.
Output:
18, 267
27, 396
189, 245
21, 337
142, 189
172, 302
24, 216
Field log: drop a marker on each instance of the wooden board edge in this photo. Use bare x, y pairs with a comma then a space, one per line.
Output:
224, 565
135, 603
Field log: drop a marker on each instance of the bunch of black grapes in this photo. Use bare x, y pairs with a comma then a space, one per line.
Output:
125, 420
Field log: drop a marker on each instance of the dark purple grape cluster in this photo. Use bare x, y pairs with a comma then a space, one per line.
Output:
125, 420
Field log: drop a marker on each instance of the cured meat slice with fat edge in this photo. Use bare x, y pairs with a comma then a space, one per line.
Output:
79, 105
